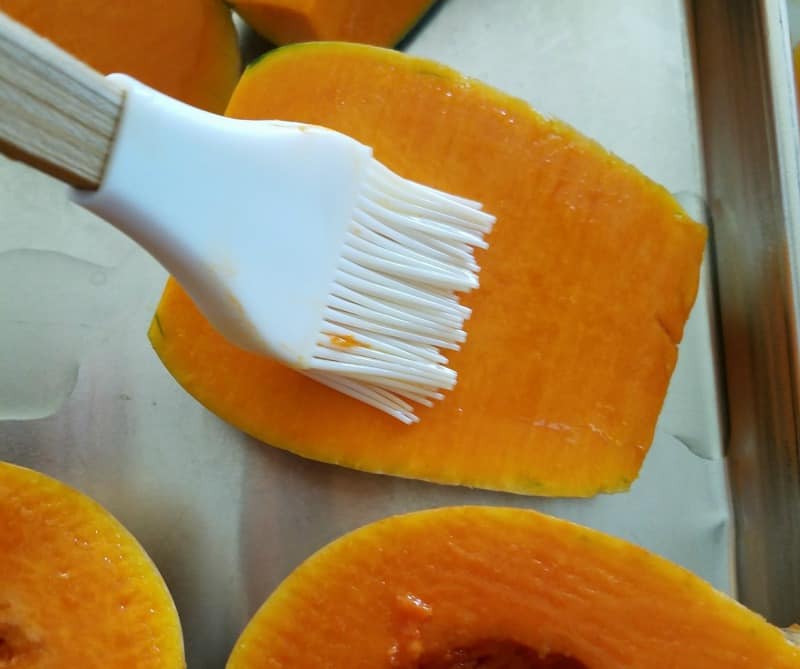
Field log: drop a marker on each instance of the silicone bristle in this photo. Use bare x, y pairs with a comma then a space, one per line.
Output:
394, 304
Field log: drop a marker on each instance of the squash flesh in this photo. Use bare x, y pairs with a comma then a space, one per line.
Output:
591, 273
379, 22
185, 48
507, 578
76, 590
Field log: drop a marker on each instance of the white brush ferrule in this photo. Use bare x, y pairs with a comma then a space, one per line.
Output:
211, 198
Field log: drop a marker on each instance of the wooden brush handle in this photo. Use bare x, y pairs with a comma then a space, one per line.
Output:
56, 114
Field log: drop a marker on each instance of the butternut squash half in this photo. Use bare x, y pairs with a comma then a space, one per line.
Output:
470, 587
590, 275
76, 589
185, 48
379, 22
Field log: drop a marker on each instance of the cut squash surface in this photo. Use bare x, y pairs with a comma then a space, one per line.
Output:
185, 48
469, 587
76, 589
379, 22
591, 273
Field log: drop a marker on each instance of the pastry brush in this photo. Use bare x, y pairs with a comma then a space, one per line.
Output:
292, 239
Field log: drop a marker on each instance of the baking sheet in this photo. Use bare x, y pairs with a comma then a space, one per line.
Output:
746, 97
82, 396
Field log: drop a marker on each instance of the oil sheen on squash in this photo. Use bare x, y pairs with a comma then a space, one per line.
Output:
185, 48
591, 273
76, 589
457, 588
379, 22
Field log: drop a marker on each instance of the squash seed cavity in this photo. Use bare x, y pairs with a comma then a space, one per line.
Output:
15, 644
496, 654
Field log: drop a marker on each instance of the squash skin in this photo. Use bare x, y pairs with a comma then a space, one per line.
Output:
187, 49
796, 62
478, 575
559, 387
377, 22
76, 589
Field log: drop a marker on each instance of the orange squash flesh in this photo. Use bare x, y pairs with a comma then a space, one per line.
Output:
512, 588
185, 48
591, 273
379, 22
76, 589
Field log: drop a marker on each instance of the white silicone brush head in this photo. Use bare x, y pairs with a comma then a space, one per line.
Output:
393, 303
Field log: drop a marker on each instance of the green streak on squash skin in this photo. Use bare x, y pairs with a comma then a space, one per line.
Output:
277, 52
414, 23
157, 323
258, 59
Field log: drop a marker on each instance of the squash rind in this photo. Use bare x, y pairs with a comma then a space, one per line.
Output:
377, 22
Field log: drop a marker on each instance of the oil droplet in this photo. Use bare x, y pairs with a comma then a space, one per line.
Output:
414, 607
346, 341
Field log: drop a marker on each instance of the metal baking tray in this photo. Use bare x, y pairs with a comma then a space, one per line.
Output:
747, 99
698, 95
